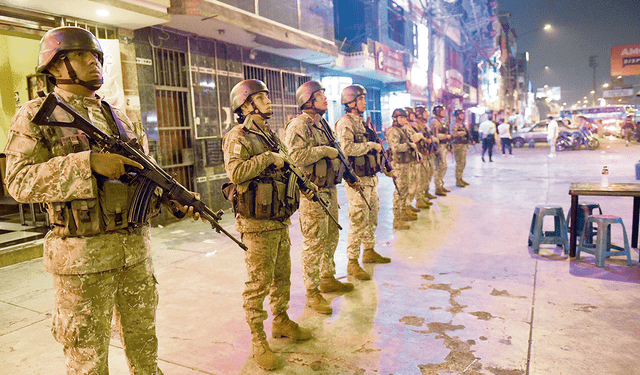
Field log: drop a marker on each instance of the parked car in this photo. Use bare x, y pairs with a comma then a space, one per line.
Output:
536, 133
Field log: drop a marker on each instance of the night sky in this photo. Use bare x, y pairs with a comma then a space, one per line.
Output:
581, 28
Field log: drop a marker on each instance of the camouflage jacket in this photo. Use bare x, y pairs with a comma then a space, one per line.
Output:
39, 171
353, 137
244, 162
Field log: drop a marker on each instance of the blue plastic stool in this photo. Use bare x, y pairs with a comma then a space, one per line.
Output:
583, 212
601, 249
558, 237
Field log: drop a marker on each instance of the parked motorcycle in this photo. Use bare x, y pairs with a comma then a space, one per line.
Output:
573, 140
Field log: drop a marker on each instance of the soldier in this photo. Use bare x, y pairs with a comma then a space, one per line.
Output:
428, 159
263, 201
364, 155
440, 129
100, 264
418, 186
403, 154
460, 139
308, 140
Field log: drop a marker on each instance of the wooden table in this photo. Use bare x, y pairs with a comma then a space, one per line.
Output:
613, 190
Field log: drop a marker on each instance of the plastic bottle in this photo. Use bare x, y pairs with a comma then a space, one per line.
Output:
605, 177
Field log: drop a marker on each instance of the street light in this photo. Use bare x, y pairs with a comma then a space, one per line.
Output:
547, 27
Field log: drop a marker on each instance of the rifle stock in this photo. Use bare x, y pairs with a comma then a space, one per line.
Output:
152, 175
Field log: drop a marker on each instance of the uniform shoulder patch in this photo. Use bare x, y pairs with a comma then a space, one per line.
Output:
236, 149
20, 144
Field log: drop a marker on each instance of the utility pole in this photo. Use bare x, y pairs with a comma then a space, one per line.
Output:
430, 96
593, 64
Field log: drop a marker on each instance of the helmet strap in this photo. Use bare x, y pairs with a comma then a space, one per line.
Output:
92, 85
256, 111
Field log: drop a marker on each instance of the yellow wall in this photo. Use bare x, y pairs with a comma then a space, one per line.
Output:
18, 59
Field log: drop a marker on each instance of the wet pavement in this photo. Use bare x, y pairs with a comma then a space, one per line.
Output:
463, 294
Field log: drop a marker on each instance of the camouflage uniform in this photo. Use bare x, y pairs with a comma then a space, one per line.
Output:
414, 170
460, 140
399, 145
307, 145
92, 275
352, 134
428, 160
268, 258
437, 128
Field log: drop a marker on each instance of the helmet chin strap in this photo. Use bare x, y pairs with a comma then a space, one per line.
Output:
92, 85
256, 111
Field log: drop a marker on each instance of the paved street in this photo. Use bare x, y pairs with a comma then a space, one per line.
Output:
463, 294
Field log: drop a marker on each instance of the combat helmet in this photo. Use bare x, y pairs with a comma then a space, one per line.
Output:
351, 93
420, 110
243, 90
399, 112
436, 107
305, 92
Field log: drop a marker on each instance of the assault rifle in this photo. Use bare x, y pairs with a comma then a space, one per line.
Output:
386, 163
151, 175
303, 182
349, 174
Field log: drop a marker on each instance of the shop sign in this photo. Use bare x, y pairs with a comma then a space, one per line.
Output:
617, 93
389, 61
112, 89
625, 60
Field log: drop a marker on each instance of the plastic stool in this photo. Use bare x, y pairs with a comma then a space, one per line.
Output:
601, 249
583, 212
558, 237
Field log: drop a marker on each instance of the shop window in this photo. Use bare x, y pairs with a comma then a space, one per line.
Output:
396, 22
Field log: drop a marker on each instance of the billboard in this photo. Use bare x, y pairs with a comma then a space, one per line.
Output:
625, 60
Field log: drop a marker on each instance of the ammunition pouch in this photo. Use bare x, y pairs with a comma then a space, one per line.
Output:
404, 157
264, 199
325, 172
366, 165
88, 217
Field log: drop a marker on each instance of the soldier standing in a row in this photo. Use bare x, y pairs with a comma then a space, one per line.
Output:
429, 159
460, 140
257, 171
364, 156
440, 129
420, 181
403, 155
308, 142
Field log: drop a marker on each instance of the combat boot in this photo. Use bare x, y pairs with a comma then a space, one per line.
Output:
330, 284
411, 208
400, 224
441, 192
285, 327
423, 203
263, 355
465, 182
430, 196
410, 215
459, 183
316, 301
370, 256
354, 269
446, 190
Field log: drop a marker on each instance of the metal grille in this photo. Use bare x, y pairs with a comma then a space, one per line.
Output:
99, 31
175, 150
282, 92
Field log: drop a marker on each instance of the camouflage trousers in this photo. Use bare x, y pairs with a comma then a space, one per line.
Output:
82, 314
268, 262
401, 194
460, 154
363, 222
440, 166
320, 238
414, 173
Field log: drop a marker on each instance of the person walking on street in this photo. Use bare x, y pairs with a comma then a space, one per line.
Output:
428, 155
100, 263
440, 129
628, 126
308, 141
552, 135
256, 170
364, 154
403, 154
504, 131
487, 130
460, 139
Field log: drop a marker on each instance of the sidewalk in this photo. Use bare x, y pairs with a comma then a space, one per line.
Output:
463, 294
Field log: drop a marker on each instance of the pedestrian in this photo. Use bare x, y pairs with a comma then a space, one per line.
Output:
403, 154
428, 156
263, 202
487, 130
628, 127
309, 142
364, 154
460, 139
440, 129
100, 263
552, 135
504, 131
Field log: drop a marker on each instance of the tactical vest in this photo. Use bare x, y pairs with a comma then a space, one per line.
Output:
423, 146
88, 217
369, 164
272, 195
460, 139
325, 172
406, 156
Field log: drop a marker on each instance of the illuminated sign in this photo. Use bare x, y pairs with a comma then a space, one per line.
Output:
625, 60
389, 61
